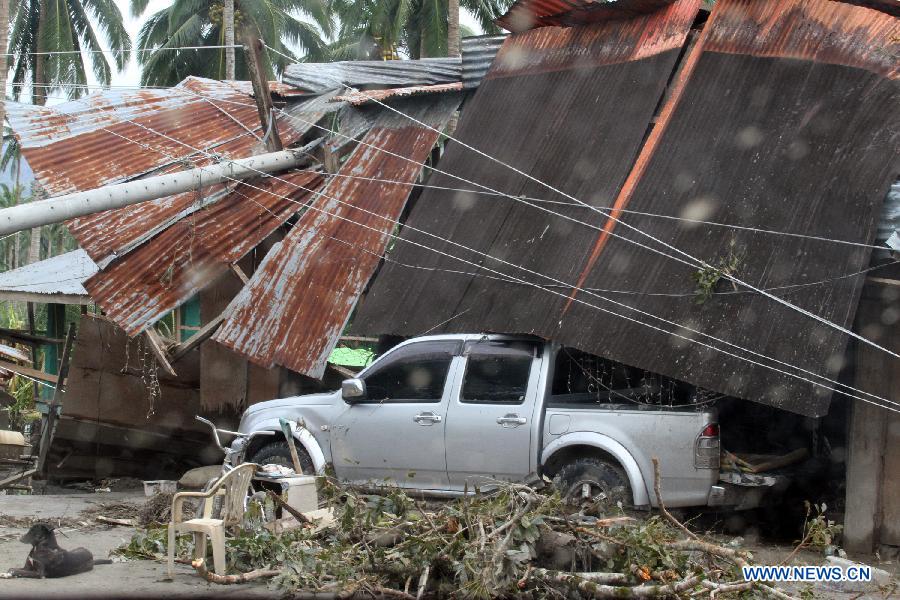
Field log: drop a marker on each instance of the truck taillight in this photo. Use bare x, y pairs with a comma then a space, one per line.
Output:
706, 449
711, 430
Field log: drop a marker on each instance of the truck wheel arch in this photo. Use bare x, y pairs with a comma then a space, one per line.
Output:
577, 444
302, 437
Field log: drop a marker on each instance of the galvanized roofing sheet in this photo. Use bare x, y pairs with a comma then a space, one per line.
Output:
57, 279
478, 53
784, 118
529, 14
323, 77
300, 298
171, 267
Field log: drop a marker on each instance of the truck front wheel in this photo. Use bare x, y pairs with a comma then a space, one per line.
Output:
278, 453
595, 481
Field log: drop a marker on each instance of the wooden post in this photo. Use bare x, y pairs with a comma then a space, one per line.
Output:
34, 351
50, 421
289, 438
253, 49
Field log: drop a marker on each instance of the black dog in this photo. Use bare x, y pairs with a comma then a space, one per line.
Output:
47, 559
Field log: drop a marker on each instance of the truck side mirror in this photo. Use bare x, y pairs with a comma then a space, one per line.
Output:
353, 390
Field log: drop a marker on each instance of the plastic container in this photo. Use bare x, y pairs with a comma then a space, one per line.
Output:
160, 486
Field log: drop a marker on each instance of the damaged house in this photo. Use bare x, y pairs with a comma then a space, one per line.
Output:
693, 193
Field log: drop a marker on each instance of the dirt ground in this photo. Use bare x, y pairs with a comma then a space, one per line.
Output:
148, 579
131, 579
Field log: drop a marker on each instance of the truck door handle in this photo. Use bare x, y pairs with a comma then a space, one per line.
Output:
427, 418
511, 420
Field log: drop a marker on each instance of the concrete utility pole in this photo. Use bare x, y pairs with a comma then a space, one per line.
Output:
228, 25
62, 208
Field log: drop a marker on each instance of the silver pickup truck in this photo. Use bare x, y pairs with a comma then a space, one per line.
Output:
451, 413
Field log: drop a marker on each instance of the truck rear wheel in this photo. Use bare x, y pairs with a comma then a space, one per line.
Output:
278, 453
594, 481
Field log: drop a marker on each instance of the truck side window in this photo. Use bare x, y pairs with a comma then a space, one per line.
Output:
497, 372
413, 373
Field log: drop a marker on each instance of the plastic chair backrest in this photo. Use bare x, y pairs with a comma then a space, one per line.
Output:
235, 483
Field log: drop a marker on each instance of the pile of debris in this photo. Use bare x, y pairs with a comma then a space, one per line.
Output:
518, 540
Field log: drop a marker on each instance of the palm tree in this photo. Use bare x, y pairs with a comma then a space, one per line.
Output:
419, 28
67, 27
200, 23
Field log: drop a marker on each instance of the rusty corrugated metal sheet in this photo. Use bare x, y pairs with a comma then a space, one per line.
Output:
293, 310
784, 118
529, 14
68, 148
170, 268
357, 98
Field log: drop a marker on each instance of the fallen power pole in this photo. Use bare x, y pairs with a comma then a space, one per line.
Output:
79, 204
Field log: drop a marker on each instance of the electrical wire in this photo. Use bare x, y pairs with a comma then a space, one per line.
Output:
502, 194
532, 284
566, 285
121, 50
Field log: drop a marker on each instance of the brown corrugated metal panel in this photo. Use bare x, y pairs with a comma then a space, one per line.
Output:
159, 275
295, 307
530, 14
766, 132
577, 120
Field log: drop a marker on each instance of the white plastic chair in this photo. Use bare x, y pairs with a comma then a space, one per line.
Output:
233, 488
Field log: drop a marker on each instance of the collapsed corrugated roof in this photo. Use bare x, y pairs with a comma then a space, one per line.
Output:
171, 267
740, 140
57, 279
299, 300
117, 136
529, 14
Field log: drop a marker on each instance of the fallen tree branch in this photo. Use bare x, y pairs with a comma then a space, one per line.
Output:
725, 588
423, 582
112, 521
596, 577
597, 590
287, 507
662, 505
715, 550
200, 566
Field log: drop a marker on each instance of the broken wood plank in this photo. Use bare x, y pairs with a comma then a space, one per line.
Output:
358, 338
23, 337
29, 372
240, 273
49, 420
17, 477
157, 347
112, 521
203, 334
342, 371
